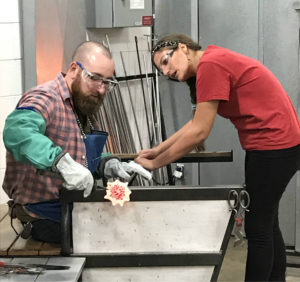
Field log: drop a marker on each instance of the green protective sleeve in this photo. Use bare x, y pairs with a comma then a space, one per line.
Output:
104, 155
24, 138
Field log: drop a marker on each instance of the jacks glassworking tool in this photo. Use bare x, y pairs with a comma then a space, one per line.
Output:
21, 268
241, 202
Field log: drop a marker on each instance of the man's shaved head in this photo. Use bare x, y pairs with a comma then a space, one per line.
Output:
90, 59
86, 49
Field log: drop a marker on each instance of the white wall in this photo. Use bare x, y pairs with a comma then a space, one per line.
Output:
10, 70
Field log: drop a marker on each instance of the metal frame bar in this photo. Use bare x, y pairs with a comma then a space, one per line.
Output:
155, 193
153, 259
224, 246
133, 77
207, 157
201, 157
290, 253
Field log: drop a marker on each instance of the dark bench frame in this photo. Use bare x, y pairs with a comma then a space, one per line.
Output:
157, 259
156, 193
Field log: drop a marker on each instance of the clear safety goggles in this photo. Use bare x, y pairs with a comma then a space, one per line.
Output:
97, 81
165, 60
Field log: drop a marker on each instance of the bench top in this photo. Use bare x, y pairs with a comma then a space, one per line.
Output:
72, 274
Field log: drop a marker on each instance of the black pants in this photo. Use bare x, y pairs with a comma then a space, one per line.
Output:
46, 231
267, 173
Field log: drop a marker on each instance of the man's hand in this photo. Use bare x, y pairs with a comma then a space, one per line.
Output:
76, 176
114, 168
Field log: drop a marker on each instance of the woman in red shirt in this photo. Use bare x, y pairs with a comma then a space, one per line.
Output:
244, 91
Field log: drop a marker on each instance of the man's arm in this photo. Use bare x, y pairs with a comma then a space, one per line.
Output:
24, 138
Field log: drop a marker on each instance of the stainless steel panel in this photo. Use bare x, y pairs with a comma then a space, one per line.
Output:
117, 13
130, 12
177, 226
173, 16
177, 16
265, 30
232, 24
281, 49
99, 13
268, 31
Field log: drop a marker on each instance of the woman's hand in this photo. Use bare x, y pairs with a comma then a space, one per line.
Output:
145, 163
148, 153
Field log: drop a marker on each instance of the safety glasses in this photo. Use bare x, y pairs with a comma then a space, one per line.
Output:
165, 60
97, 81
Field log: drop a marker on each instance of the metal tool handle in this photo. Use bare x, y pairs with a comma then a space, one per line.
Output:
132, 177
233, 194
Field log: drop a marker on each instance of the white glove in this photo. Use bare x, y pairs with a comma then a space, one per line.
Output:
133, 167
76, 176
114, 168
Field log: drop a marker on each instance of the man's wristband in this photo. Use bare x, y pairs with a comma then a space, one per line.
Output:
103, 162
56, 160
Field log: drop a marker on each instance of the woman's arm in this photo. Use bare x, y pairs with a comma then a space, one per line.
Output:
184, 140
167, 143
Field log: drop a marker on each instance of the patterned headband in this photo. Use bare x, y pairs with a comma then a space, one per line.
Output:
164, 44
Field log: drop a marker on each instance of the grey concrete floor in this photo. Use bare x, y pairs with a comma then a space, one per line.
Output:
233, 267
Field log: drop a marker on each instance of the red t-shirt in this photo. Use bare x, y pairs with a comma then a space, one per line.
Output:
251, 97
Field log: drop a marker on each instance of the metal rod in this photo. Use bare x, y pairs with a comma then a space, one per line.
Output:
150, 102
159, 130
111, 125
157, 100
131, 102
116, 111
124, 127
148, 36
124, 123
113, 115
140, 68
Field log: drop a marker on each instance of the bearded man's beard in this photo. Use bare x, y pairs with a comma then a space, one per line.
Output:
85, 104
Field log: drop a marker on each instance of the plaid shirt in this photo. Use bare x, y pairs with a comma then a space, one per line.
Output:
52, 100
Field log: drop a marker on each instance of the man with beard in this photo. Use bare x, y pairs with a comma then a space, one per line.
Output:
52, 132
